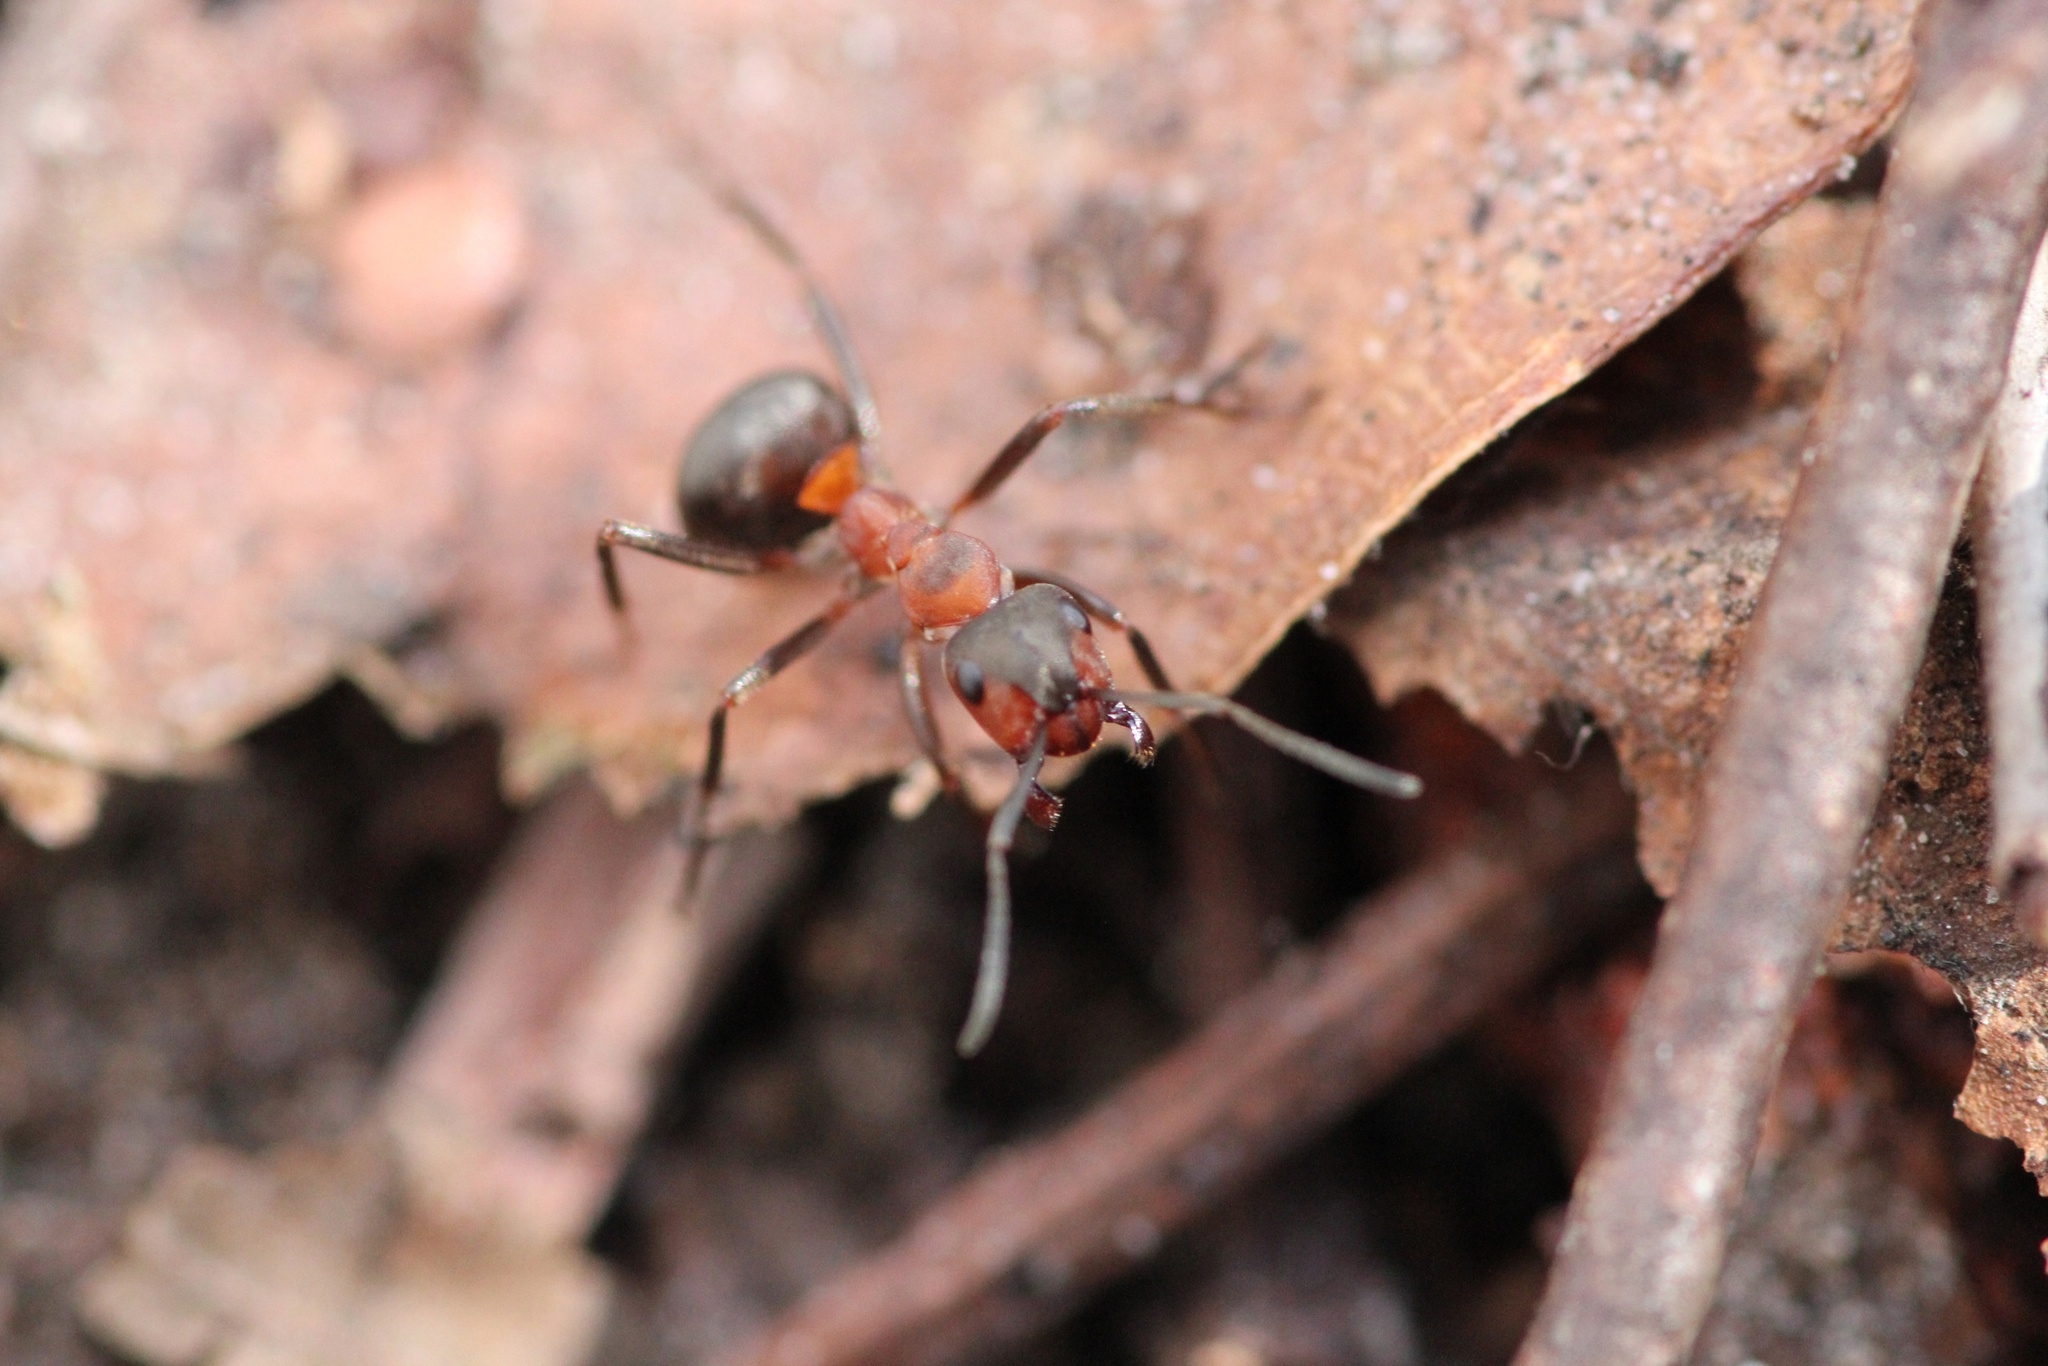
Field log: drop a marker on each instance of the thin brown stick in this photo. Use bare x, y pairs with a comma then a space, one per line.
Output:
1825, 674
456, 1213
519, 1093
1018, 1243
2012, 591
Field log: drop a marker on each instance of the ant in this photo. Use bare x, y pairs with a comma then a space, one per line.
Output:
787, 455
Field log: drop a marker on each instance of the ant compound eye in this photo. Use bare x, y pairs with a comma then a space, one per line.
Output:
967, 682
1074, 617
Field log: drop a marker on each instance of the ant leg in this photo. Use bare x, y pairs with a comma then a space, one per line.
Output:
776, 658
917, 705
668, 546
994, 972
1047, 420
824, 314
1043, 424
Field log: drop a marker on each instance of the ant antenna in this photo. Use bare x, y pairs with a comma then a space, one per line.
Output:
1326, 758
995, 943
824, 313
994, 972
1195, 391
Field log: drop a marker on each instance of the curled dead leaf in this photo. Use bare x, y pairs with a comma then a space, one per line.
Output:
1594, 565
253, 506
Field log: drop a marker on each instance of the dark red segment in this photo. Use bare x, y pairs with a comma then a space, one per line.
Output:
865, 524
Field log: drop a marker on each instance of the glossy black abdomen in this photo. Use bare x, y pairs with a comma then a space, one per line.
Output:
745, 465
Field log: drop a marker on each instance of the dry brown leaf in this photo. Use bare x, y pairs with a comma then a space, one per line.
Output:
203, 500
1453, 213
1618, 577
1612, 569
293, 1258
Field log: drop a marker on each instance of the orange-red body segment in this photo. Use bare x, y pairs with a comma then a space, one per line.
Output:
865, 521
836, 478
946, 578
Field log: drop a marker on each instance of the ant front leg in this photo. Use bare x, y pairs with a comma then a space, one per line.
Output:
917, 705
1041, 808
779, 656
669, 546
1189, 393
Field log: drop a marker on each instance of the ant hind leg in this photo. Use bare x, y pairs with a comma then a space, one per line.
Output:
824, 313
779, 656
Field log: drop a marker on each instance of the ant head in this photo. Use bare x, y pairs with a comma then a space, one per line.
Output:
770, 465
1030, 663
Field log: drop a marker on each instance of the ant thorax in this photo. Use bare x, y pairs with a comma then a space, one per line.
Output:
944, 577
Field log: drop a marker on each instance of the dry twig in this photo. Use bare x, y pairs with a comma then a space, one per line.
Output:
517, 1097
2012, 586
1023, 1239
455, 1216
1825, 676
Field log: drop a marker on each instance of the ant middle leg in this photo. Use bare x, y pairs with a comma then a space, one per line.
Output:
1190, 393
772, 661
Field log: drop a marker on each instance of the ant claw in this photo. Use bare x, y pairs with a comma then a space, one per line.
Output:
1041, 808
1143, 747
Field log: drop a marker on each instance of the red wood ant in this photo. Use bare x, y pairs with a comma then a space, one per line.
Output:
788, 454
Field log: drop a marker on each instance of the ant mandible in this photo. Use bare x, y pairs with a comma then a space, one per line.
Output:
787, 455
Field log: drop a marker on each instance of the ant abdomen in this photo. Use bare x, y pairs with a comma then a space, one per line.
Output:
745, 466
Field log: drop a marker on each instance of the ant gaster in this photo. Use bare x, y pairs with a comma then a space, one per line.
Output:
788, 455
